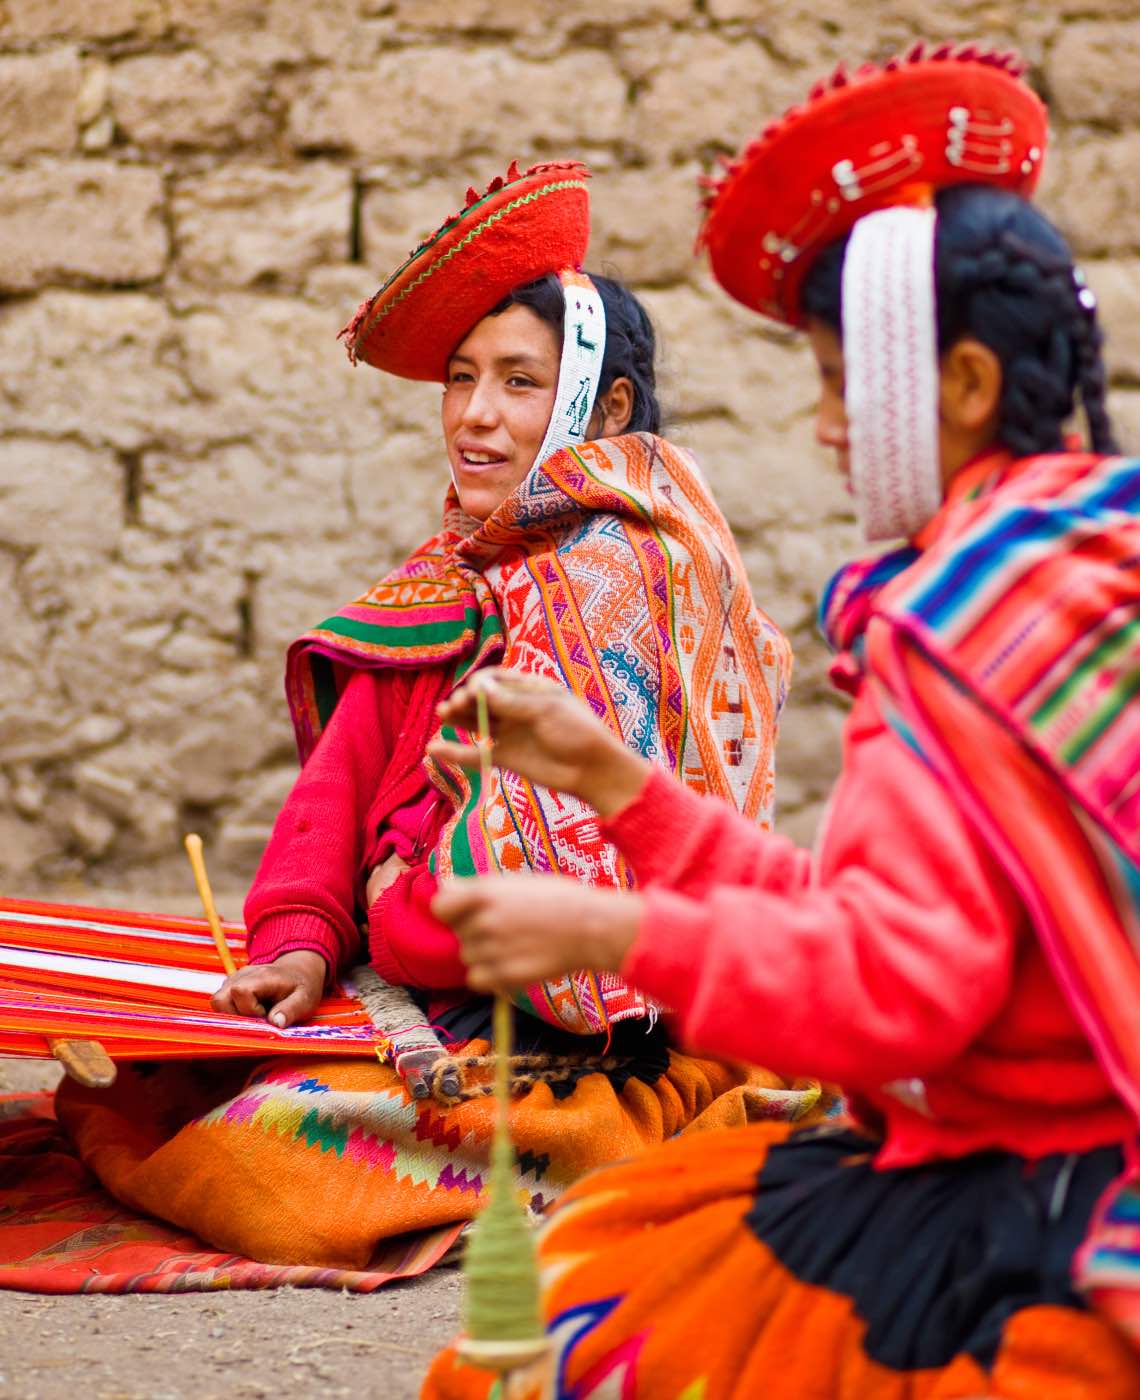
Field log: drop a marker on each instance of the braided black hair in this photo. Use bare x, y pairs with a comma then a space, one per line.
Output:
1004, 275
631, 345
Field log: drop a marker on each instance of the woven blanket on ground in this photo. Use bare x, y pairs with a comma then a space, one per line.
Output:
759, 1263
316, 1162
61, 1233
611, 570
140, 984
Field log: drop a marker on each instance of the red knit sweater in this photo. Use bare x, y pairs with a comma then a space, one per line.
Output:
362, 794
901, 957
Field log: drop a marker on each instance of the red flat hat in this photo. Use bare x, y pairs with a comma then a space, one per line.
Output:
878, 137
523, 227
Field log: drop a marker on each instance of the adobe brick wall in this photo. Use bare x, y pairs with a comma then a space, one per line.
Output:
195, 194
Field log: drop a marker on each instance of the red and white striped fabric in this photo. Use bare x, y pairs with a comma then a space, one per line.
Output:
140, 984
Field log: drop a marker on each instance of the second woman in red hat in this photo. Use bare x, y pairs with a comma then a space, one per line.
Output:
959, 949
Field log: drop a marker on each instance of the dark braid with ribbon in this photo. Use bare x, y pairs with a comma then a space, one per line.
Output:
1005, 276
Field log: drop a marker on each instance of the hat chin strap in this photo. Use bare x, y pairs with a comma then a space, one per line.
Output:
583, 347
890, 355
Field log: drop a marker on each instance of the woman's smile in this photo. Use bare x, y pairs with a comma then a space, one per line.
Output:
477, 457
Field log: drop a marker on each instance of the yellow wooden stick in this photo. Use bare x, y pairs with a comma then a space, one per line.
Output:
193, 845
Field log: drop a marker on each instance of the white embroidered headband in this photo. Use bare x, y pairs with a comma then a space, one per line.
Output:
580, 371
890, 353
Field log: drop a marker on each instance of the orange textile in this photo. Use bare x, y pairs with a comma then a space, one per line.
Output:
314, 1161
61, 1233
655, 1288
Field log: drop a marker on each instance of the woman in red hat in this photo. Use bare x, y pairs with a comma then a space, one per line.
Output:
960, 950
576, 545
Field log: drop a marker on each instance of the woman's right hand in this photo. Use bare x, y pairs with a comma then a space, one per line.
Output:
543, 732
287, 990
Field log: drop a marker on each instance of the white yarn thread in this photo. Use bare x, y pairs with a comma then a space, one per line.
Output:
890, 356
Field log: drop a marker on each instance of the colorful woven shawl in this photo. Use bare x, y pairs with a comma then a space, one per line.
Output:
1006, 652
611, 570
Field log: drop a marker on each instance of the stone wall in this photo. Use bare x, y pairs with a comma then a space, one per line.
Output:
195, 194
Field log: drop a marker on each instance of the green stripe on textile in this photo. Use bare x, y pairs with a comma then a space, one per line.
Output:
492, 631
399, 638
462, 861
636, 506
1093, 663
525, 1003
672, 614
1075, 748
446, 731
639, 508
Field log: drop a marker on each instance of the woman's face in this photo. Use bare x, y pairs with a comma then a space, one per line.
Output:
497, 402
969, 400
831, 416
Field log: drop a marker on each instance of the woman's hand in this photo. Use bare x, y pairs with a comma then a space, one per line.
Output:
287, 990
383, 877
545, 734
518, 929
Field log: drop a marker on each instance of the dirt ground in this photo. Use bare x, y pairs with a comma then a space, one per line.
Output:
300, 1344
283, 1342
241, 1346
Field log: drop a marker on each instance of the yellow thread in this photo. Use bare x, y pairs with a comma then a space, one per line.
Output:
501, 1301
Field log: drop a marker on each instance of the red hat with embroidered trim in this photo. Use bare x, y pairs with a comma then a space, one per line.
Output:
523, 227
865, 141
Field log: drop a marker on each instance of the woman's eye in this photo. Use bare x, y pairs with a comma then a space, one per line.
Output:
520, 381
459, 376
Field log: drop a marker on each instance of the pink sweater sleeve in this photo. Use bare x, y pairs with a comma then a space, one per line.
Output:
667, 832
304, 895
886, 965
407, 944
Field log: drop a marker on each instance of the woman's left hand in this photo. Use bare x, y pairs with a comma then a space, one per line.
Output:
518, 929
383, 877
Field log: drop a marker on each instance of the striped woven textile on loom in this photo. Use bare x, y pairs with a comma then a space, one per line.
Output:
140, 984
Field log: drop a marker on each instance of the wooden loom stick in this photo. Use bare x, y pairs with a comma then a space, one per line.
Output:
193, 844
389, 1008
85, 1061
501, 1305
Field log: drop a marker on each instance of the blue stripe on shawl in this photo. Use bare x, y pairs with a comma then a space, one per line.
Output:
881, 571
969, 567
899, 726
